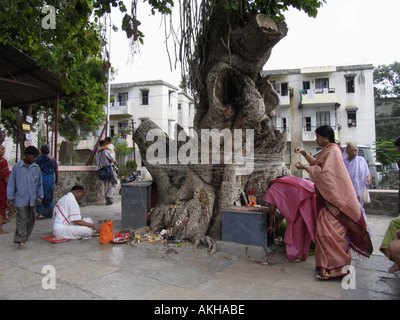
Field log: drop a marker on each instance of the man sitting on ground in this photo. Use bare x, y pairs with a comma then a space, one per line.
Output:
68, 223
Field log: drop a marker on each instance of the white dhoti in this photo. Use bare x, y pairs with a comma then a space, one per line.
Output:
71, 231
66, 212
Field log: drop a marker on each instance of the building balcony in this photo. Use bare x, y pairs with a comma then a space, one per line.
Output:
318, 96
284, 100
120, 108
308, 133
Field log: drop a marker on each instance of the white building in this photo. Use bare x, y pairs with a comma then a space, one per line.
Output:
157, 100
339, 96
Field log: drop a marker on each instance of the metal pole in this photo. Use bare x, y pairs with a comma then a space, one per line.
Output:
109, 76
134, 148
56, 130
47, 126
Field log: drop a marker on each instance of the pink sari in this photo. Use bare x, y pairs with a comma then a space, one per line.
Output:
296, 200
340, 221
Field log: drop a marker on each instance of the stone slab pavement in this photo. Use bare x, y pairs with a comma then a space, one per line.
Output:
87, 270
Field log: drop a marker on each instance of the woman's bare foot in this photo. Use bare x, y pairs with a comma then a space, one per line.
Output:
21, 245
3, 232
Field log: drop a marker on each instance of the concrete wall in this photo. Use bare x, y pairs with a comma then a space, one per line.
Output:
383, 202
87, 176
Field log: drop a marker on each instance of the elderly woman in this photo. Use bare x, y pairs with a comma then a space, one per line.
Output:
358, 170
340, 223
49, 168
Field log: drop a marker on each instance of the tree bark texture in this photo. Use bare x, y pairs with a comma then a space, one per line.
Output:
232, 95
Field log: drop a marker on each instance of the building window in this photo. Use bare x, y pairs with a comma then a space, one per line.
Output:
321, 83
145, 97
123, 127
306, 85
123, 98
112, 131
285, 89
307, 123
323, 118
352, 118
350, 84
284, 124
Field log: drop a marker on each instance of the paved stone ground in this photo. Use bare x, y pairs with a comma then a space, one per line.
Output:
85, 269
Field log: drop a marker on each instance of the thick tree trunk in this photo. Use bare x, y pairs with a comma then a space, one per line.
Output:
234, 100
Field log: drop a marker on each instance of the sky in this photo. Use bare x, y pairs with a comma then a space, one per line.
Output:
345, 32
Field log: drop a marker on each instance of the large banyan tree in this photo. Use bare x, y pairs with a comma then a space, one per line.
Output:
223, 45
234, 148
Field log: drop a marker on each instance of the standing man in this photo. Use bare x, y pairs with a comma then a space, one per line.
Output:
25, 192
105, 158
108, 145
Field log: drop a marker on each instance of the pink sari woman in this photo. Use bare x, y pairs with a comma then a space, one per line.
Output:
4, 176
340, 223
296, 200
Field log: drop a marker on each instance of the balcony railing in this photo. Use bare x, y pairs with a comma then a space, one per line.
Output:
284, 100
318, 96
308, 132
119, 108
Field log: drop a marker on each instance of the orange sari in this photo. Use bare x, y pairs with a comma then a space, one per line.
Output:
340, 223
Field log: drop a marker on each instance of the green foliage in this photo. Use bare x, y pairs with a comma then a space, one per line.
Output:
72, 50
273, 8
131, 166
386, 152
387, 93
387, 125
387, 81
73, 40
121, 146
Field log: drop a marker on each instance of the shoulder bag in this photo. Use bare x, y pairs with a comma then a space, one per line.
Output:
105, 172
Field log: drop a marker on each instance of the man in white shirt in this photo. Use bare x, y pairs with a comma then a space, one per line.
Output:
68, 223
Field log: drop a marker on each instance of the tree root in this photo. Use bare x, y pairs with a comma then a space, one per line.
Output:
206, 240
